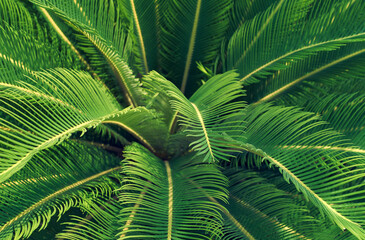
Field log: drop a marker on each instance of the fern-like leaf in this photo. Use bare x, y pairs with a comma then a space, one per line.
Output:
101, 26
56, 180
193, 31
175, 201
328, 173
206, 116
292, 30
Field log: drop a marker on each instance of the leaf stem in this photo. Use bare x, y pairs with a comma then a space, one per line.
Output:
191, 46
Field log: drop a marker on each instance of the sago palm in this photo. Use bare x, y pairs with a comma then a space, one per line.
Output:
192, 119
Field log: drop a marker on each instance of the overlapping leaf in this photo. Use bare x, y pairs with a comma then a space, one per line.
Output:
103, 225
312, 76
291, 30
55, 181
207, 115
102, 28
193, 31
146, 18
264, 210
319, 162
168, 199
35, 118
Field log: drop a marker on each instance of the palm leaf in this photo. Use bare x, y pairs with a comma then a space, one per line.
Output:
318, 71
345, 113
156, 96
193, 32
55, 181
101, 26
264, 210
243, 11
328, 174
171, 206
21, 54
206, 116
144, 125
292, 32
34, 118
146, 18
14, 12
103, 225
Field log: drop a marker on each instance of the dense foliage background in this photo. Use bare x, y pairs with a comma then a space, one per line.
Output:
194, 119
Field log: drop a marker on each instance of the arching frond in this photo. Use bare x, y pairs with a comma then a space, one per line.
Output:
311, 75
164, 199
206, 116
244, 10
156, 95
101, 26
193, 32
102, 225
34, 118
344, 113
146, 17
143, 124
53, 182
22, 54
15, 13
328, 174
291, 32
264, 210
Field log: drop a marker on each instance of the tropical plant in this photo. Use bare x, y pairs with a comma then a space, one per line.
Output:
194, 119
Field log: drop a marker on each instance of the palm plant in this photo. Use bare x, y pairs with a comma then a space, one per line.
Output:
194, 119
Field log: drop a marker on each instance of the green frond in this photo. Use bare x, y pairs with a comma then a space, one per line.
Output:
344, 113
55, 181
244, 10
111, 134
22, 54
291, 30
102, 225
312, 74
33, 118
15, 13
146, 17
192, 32
206, 116
322, 165
144, 125
101, 26
156, 95
165, 199
264, 210
335, 233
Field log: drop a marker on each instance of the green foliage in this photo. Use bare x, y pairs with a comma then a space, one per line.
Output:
196, 119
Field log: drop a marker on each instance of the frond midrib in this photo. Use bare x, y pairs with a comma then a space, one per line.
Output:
121, 79
119, 75
305, 147
41, 146
295, 179
133, 132
272, 220
189, 55
139, 31
42, 95
308, 75
55, 194
68, 42
171, 200
200, 117
257, 36
298, 50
